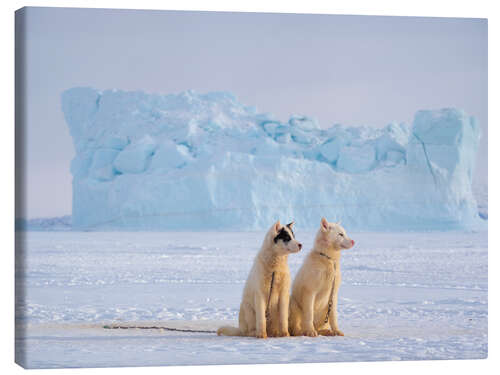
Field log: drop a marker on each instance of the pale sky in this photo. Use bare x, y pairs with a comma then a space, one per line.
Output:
354, 70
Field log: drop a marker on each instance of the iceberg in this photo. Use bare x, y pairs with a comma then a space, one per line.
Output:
193, 161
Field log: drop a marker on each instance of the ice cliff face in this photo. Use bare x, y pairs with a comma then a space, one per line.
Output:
206, 162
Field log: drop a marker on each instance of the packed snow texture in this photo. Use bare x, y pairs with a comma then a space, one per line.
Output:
404, 296
207, 162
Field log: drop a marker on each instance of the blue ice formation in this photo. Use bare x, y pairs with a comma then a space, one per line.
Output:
194, 161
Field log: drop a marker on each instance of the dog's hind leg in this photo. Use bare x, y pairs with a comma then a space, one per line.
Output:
247, 320
294, 318
242, 319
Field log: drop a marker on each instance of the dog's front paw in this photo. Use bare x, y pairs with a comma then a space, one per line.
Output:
326, 332
273, 333
310, 333
261, 335
283, 334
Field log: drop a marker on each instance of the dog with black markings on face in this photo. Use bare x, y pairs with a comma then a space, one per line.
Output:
264, 306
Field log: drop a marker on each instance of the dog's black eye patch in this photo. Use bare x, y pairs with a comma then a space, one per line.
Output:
282, 235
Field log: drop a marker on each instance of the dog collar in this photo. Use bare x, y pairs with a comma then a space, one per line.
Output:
323, 254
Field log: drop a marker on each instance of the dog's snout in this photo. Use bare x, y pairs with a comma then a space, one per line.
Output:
300, 246
352, 241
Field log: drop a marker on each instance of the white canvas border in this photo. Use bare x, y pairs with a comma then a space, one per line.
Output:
479, 9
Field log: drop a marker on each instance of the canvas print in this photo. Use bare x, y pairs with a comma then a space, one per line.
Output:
198, 188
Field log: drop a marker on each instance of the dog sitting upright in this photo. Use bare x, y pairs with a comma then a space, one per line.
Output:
264, 307
313, 304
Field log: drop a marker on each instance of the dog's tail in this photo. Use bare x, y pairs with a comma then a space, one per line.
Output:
229, 331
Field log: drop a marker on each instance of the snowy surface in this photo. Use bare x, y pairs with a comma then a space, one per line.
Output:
405, 296
193, 161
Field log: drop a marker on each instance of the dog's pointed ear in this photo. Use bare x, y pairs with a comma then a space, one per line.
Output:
277, 226
338, 222
324, 224
290, 225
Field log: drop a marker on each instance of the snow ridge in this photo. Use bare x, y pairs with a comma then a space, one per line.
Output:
61, 223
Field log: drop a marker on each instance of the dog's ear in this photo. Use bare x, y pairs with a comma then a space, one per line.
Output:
324, 225
338, 222
290, 225
277, 226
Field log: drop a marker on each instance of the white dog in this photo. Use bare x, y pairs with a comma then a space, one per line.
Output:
313, 304
264, 307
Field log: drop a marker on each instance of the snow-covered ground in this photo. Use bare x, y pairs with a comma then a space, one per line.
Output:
405, 296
